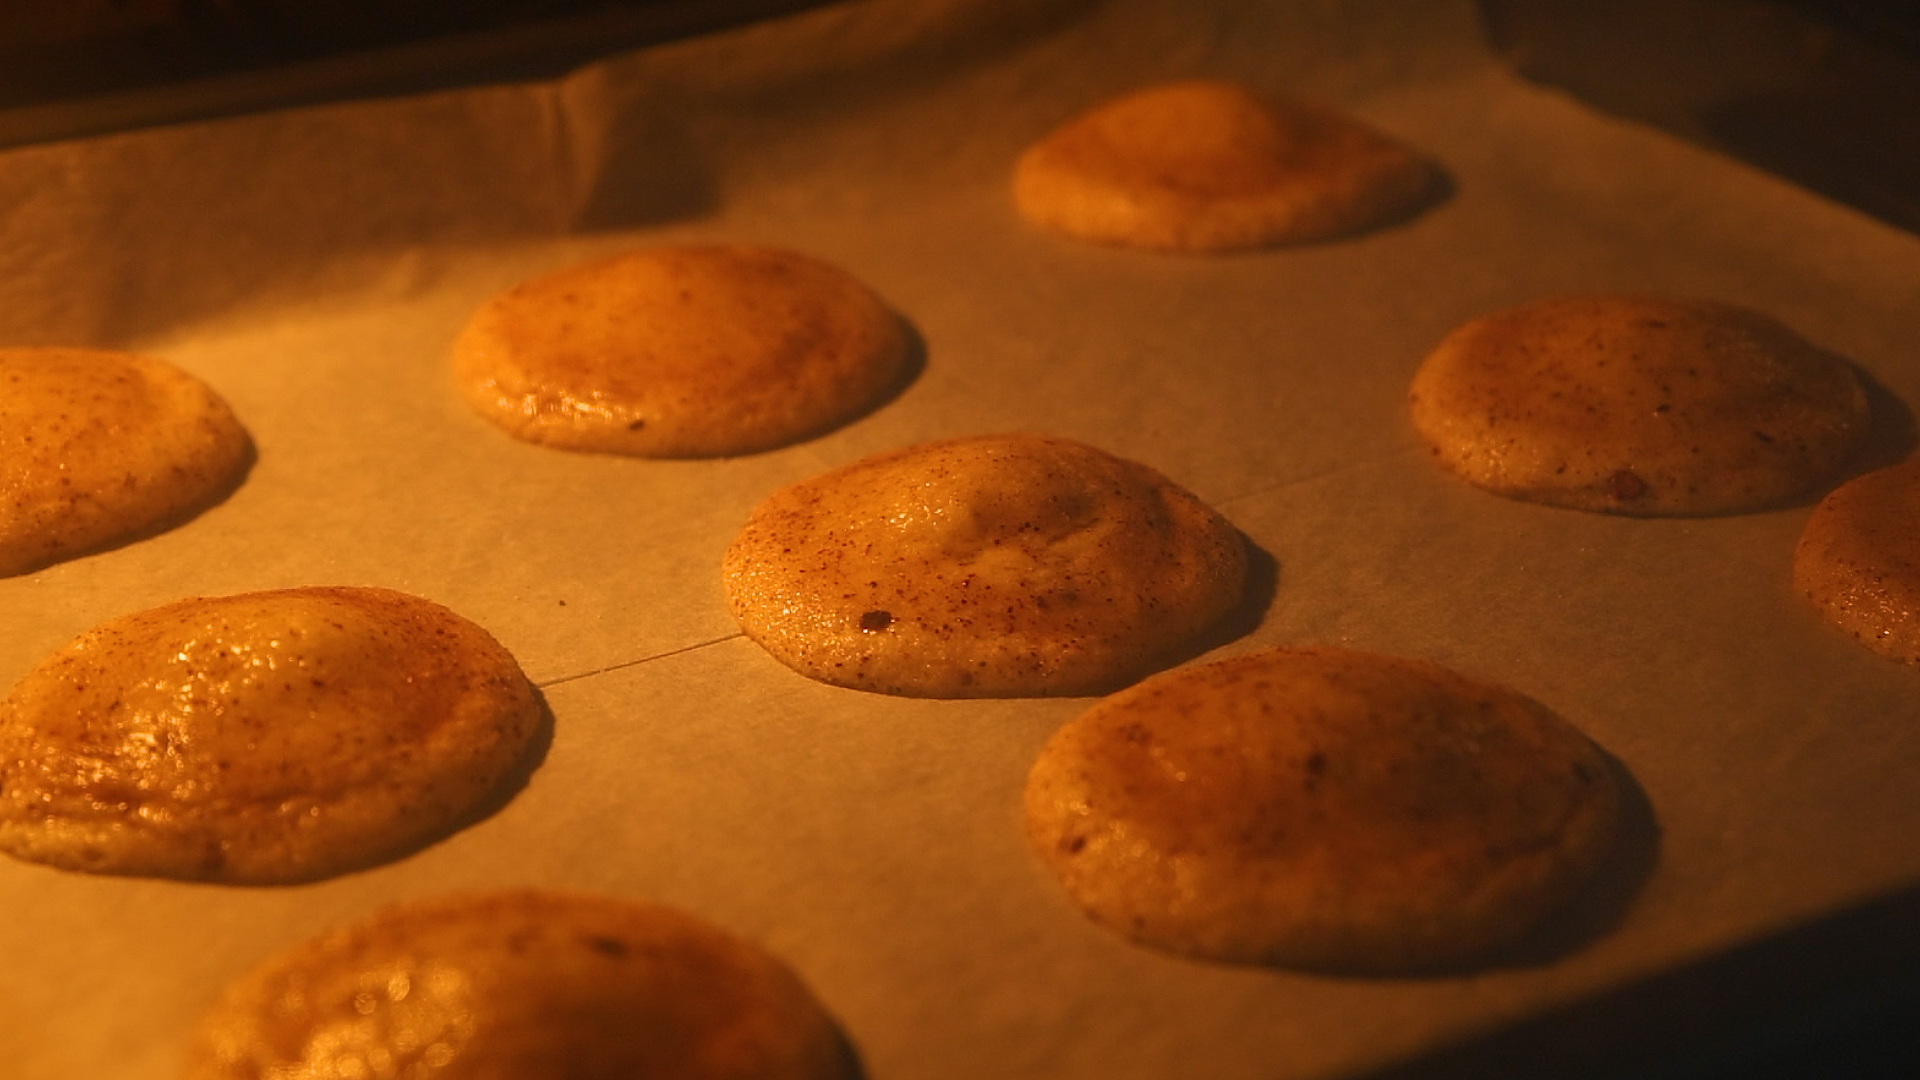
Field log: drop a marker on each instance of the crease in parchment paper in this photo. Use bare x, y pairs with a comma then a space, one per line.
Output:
623, 665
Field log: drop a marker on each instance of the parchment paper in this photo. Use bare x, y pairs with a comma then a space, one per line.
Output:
314, 265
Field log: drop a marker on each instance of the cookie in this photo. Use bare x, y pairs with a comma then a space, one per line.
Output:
1208, 166
265, 738
1321, 809
681, 352
521, 983
99, 447
1638, 405
1858, 560
995, 566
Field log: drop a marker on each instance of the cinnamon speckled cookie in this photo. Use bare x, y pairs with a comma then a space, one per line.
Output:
98, 447
259, 739
521, 984
681, 352
1208, 166
1638, 405
1858, 560
997, 566
1321, 809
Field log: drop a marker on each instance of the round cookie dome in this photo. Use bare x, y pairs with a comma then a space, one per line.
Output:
522, 983
697, 351
265, 738
995, 566
1321, 809
1858, 560
1209, 166
98, 447
1637, 405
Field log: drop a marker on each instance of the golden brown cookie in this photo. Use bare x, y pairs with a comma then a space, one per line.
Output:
521, 984
265, 738
1859, 560
1208, 166
996, 566
1638, 405
98, 447
1321, 809
681, 352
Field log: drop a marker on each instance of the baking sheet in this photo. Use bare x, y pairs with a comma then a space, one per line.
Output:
314, 265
